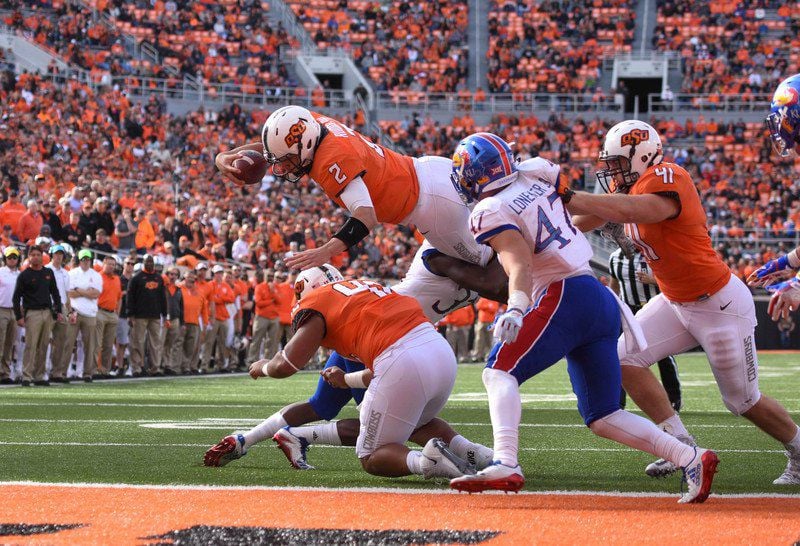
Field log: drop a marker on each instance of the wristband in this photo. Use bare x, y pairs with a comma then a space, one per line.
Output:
793, 263
352, 232
519, 300
355, 380
265, 367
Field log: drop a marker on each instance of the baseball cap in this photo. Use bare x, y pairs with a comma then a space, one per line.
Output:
11, 251
58, 248
201, 265
85, 253
217, 269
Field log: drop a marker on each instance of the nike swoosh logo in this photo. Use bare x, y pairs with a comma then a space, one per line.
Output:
424, 232
723, 307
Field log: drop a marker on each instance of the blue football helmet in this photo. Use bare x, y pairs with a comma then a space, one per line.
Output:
482, 162
783, 121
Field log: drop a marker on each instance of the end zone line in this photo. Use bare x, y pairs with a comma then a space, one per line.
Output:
381, 490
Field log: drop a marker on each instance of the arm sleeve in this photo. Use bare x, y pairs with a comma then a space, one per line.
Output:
356, 195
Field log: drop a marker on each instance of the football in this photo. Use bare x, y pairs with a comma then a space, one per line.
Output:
252, 165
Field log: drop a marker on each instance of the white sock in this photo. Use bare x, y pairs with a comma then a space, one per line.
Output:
460, 445
264, 430
674, 426
505, 410
794, 444
639, 433
414, 462
326, 434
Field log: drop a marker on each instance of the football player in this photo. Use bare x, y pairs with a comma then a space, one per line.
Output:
427, 281
412, 370
700, 303
551, 287
375, 184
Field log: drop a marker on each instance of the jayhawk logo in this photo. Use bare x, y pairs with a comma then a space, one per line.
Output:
785, 96
634, 137
295, 133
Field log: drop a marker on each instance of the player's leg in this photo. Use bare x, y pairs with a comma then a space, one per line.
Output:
725, 325
441, 216
668, 371
413, 379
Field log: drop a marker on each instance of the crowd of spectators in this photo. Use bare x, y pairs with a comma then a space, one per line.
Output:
742, 48
554, 46
229, 42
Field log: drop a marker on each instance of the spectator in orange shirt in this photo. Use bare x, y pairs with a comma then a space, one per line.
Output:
145, 234
286, 299
266, 326
11, 211
459, 323
30, 223
108, 307
195, 316
217, 331
171, 359
487, 309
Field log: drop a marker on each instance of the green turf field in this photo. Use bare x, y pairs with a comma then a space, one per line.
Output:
155, 432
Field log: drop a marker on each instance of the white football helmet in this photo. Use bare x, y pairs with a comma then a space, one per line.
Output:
314, 277
290, 136
630, 148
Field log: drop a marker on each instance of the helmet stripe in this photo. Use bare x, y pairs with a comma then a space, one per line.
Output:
497, 143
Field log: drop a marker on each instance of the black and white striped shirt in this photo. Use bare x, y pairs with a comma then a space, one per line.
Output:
633, 291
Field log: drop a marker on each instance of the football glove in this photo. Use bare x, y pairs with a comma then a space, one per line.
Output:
507, 326
616, 232
563, 189
773, 266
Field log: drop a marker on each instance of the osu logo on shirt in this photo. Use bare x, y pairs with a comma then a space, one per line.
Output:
295, 132
151, 285
635, 137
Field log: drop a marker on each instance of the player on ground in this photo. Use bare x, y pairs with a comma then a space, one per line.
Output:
412, 367
700, 303
373, 183
437, 295
556, 308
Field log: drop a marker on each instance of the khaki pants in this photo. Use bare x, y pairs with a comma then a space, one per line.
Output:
265, 331
87, 326
218, 333
171, 358
188, 348
8, 336
106, 334
483, 340
458, 337
59, 355
38, 324
151, 329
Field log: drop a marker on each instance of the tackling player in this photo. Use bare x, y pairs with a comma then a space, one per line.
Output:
413, 368
373, 183
556, 308
701, 302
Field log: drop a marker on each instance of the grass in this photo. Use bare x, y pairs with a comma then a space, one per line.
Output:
155, 432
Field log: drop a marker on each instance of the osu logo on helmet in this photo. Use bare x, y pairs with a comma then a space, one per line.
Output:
295, 132
635, 137
785, 96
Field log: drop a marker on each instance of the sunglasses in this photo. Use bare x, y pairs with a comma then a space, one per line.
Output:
12, 257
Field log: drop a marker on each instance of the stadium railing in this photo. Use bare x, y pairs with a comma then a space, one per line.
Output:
716, 102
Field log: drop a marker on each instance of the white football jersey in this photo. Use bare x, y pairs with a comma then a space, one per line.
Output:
531, 205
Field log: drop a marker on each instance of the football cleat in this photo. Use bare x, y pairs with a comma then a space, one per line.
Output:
790, 476
228, 449
662, 468
438, 461
495, 477
293, 447
698, 475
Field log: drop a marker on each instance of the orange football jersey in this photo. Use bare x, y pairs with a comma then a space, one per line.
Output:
362, 318
344, 154
679, 249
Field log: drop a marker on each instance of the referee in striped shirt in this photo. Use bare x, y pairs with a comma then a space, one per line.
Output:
633, 281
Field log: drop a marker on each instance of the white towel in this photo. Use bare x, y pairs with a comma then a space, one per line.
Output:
635, 341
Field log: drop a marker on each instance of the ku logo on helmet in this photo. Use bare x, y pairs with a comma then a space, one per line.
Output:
785, 96
295, 133
635, 137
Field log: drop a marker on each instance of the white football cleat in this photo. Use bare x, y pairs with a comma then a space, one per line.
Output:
790, 476
661, 468
226, 450
698, 475
293, 447
495, 477
439, 462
